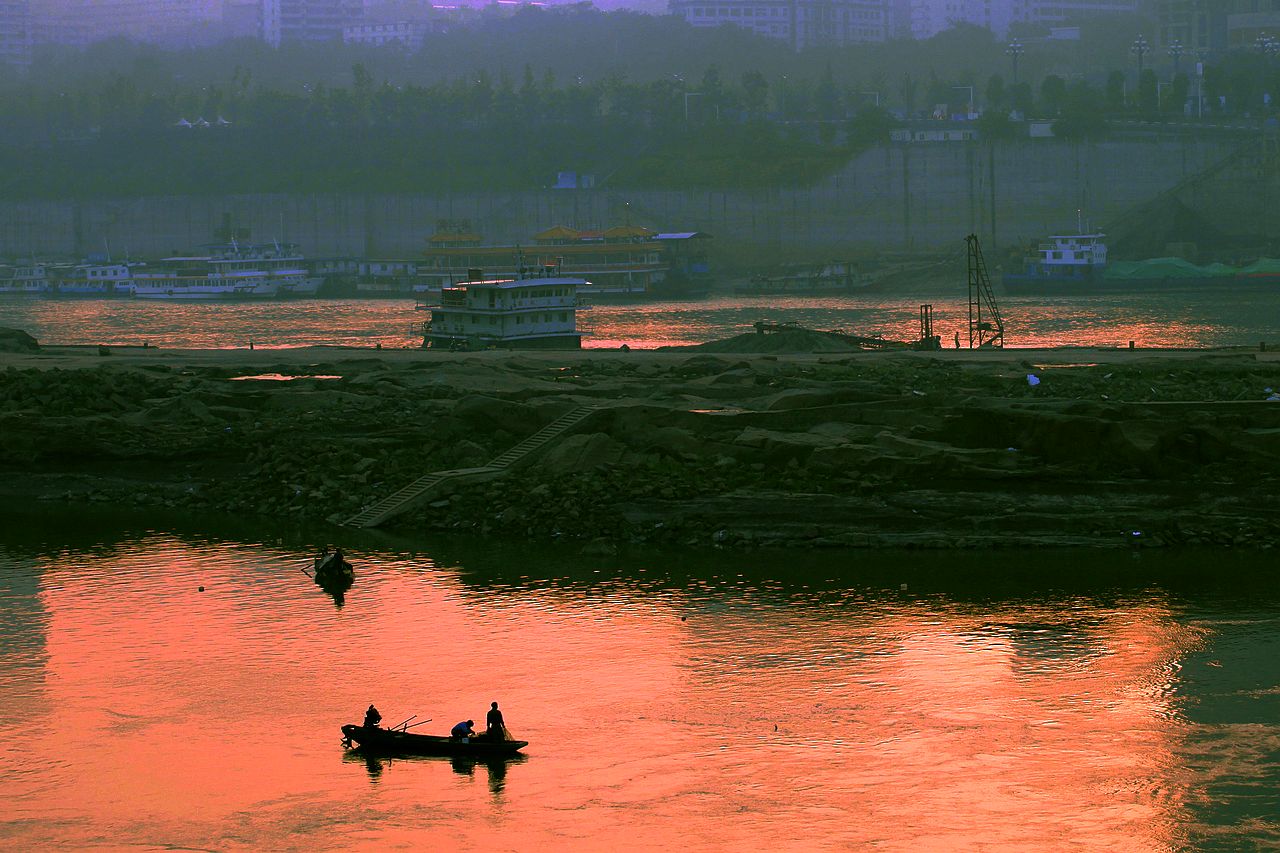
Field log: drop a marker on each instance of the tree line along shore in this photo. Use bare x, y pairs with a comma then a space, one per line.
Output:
953, 449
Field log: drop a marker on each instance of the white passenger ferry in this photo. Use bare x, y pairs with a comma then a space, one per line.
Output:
284, 264
623, 262
521, 312
91, 279
191, 278
27, 280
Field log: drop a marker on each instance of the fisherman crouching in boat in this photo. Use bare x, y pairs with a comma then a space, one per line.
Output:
463, 730
372, 718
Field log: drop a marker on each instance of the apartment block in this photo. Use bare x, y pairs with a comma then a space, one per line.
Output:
309, 20
15, 33
801, 23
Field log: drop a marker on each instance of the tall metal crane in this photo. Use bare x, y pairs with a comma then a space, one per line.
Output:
986, 326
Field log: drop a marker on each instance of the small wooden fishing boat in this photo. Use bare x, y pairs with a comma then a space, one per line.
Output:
397, 742
331, 566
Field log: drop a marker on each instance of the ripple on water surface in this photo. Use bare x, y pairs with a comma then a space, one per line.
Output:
713, 700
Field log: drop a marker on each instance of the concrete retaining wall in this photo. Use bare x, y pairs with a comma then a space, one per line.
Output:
901, 197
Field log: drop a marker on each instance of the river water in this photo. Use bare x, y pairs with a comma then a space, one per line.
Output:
1224, 316
903, 702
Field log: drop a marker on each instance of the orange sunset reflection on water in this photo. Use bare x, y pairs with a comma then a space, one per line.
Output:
1239, 315
705, 711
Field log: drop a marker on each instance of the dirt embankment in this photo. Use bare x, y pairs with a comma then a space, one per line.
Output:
949, 449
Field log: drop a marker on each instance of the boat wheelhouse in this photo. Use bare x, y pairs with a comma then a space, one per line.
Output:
536, 312
626, 261
1067, 261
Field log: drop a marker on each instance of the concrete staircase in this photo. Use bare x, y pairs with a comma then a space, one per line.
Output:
419, 489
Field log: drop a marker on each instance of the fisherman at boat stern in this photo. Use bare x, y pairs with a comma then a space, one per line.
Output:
372, 718
493, 724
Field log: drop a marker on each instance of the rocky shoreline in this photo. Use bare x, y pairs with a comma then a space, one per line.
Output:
950, 449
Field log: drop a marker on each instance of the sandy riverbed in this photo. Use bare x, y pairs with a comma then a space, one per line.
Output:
946, 449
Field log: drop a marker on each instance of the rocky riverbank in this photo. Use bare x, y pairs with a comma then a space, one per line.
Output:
951, 449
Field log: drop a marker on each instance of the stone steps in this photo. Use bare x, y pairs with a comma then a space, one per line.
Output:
415, 492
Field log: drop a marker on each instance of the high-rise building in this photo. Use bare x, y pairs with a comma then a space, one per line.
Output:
173, 23
308, 20
1071, 11
802, 23
930, 17
15, 33
1241, 23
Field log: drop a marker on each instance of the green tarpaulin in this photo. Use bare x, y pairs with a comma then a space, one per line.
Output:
1261, 267
1164, 268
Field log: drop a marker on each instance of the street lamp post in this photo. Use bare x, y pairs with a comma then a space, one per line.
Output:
1199, 84
1015, 50
1269, 46
1175, 53
1140, 49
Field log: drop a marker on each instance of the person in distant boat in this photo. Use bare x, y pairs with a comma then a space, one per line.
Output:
493, 724
463, 730
372, 718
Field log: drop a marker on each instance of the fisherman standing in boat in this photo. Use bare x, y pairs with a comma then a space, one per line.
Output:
495, 728
372, 718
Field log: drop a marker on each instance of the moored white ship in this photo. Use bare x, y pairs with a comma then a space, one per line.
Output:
91, 279
199, 278
623, 262
283, 263
27, 279
535, 312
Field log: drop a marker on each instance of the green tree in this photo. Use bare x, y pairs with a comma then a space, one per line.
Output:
755, 93
1176, 97
997, 96
1081, 116
1053, 93
869, 126
908, 91
826, 100
1148, 92
1021, 98
996, 126
1115, 91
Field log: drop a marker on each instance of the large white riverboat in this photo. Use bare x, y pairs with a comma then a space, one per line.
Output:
623, 262
200, 278
91, 279
283, 263
27, 280
537, 312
